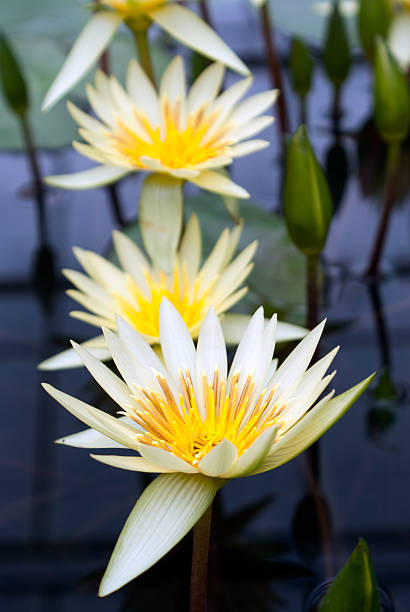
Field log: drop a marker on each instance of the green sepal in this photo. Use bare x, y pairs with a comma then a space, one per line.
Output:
374, 19
307, 202
12, 79
391, 95
301, 67
336, 54
355, 587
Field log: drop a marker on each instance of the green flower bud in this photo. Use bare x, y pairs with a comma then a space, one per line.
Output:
12, 79
307, 200
391, 95
301, 67
375, 17
336, 53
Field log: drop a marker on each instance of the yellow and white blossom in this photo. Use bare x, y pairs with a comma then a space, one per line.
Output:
187, 135
135, 290
178, 21
197, 423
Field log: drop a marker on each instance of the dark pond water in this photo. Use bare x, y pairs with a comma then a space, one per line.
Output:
60, 512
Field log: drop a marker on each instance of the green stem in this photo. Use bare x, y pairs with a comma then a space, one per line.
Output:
200, 556
38, 188
393, 158
144, 54
312, 316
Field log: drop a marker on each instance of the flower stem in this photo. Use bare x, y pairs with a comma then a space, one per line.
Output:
275, 70
393, 158
200, 555
144, 53
312, 315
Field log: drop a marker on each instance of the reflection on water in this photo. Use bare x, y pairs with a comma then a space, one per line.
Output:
61, 512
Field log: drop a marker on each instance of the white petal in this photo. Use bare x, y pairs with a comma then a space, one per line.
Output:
97, 419
219, 459
248, 353
211, 350
84, 119
399, 39
206, 87
218, 183
246, 148
92, 41
234, 326
253, 456
166, 460
311, 427
90, 438
168, 508
187, 27
250, 128
235, 273
253, 106
190, 248
69, 358
176, 342
173, 85
112, 384
294, 366
87, 179
132, 260
138, 347
135, 464
143, 93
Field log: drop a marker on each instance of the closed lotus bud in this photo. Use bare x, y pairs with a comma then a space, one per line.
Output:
307, 199
336, 54
375, 17
301, 67
391, 95
12, 80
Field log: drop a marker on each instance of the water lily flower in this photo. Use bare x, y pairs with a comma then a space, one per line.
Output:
178, 21
198, 424
399, 34
135, 290
185, 135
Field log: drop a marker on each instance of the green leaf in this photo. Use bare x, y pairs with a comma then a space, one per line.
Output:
336, 53
355, 587
301, 67
160, 218
307, 202
391, 95
375, 17
12, 79
168, 508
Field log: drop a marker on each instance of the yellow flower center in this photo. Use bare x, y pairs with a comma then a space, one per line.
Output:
175, 145
190, 432
133, 8
143, 312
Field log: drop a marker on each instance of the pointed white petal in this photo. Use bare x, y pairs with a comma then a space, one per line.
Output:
219, 459
143, 93
248, 354
399, 39
135, 464
92, 41
253, 456
112, 384
218, 183
253, 106
311, 427
187, 27
173, 84
84, 119
211, 350
190, 248
235, 273
87, 179
69, 358
176, 342
250, 128
90, 438
166, 460
206, 87
138, 347
97, 419
129, 254
246, 148
168, 508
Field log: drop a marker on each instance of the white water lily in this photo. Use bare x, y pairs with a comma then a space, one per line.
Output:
178, 21
135, 290
399, 34
187, 135
198, 424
